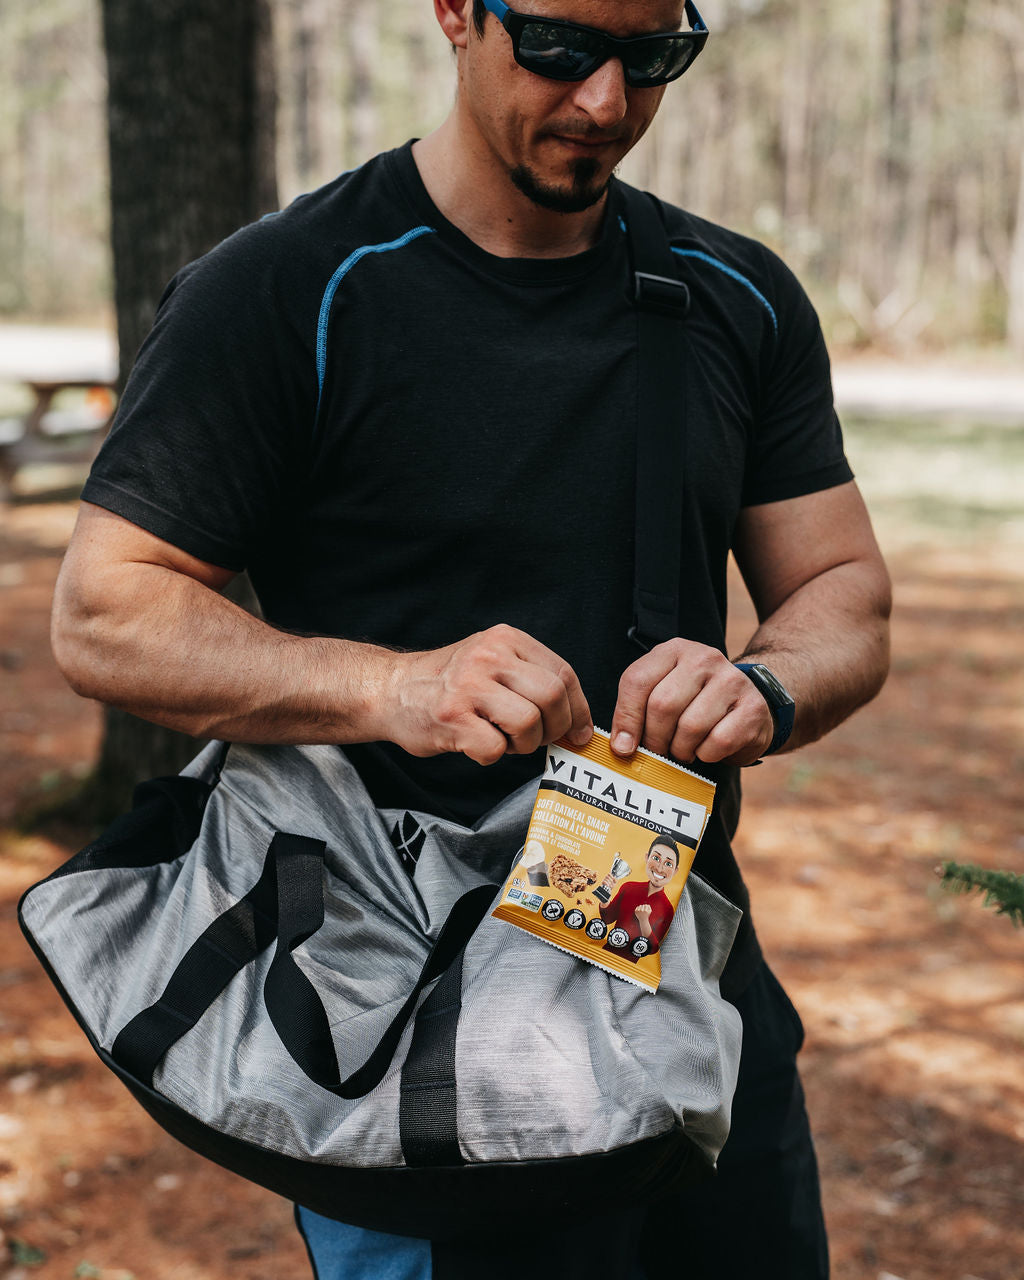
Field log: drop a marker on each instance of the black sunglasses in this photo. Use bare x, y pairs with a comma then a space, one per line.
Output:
567, 51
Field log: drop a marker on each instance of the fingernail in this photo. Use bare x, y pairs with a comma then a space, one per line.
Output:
623, 745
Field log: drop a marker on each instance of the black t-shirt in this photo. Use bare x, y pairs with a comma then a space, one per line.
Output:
405, 439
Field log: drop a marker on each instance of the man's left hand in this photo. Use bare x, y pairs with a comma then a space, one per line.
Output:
687, 701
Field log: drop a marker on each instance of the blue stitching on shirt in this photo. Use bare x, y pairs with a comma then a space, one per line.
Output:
332, 288
734, 275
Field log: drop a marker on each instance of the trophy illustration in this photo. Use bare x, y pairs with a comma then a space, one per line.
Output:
620, 869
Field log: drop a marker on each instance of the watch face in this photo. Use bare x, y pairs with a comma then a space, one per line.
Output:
773, 688
780, 704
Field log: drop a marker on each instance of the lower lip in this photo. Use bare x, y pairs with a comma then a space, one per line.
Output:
577, 144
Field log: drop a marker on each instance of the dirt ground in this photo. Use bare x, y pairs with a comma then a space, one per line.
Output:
913, 1000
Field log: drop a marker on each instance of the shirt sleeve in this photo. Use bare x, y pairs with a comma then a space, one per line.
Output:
797, 445
610, 913
212, 434
661, 923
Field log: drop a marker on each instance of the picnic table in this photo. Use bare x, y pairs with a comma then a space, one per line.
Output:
48, 362
45, 391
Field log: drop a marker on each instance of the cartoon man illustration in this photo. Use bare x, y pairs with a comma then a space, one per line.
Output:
642, 910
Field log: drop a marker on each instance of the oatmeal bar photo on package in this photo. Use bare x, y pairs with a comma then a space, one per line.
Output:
570, 877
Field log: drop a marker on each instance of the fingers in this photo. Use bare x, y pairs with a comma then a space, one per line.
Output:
528, 692
497, 692
526, 721
635, 687
688, 701
536, 680
740, 737
476, 739
727, 721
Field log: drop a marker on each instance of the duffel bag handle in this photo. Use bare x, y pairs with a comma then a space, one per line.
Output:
296, 1010
286, 904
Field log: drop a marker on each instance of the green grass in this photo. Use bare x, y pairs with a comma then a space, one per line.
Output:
947, 476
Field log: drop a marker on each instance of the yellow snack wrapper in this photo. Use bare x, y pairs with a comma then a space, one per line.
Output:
607, 853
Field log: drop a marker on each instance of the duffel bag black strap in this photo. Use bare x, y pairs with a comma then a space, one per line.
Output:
296, 1010
661, 301
285, 904
231, 942
428, 1121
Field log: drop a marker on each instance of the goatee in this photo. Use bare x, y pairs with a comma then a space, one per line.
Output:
583, 192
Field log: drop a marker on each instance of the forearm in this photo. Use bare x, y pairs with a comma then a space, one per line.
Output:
828, 642
140, 624
171, 650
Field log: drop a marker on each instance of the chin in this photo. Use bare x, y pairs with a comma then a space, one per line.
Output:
583, 190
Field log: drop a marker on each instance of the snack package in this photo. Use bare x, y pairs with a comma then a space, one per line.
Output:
608, 850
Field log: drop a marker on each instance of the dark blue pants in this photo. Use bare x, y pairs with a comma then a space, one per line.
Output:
760, 1216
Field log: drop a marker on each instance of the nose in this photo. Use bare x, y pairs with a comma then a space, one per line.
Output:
603, 95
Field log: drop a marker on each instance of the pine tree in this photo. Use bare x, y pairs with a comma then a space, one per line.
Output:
1003, 890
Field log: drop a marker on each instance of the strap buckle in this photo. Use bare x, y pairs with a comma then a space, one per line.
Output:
660, 293
634, 634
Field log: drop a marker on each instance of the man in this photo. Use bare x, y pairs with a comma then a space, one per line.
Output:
643, 909
407, 405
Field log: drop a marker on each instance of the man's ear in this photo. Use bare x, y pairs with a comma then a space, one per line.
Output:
455, 17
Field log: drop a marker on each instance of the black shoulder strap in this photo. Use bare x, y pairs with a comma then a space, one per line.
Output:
661, 301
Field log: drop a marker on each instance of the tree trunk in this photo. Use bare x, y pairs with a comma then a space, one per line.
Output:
363, 52
797, 155
1015, 273
191, 116
1015, 266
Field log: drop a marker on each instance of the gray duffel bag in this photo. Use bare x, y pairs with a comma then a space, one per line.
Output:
312, 992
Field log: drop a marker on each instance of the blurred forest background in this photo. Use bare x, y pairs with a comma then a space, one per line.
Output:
879, 146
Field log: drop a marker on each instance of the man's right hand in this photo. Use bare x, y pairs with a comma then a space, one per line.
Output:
496, 692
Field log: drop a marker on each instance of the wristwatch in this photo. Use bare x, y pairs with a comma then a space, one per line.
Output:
780, 704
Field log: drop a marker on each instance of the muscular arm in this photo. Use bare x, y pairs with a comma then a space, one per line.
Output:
822, 595
823, 599
141, 625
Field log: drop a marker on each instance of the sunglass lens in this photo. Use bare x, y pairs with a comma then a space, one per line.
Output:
654, 62
558, 52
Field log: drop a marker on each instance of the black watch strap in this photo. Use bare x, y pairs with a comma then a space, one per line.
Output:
781, 705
